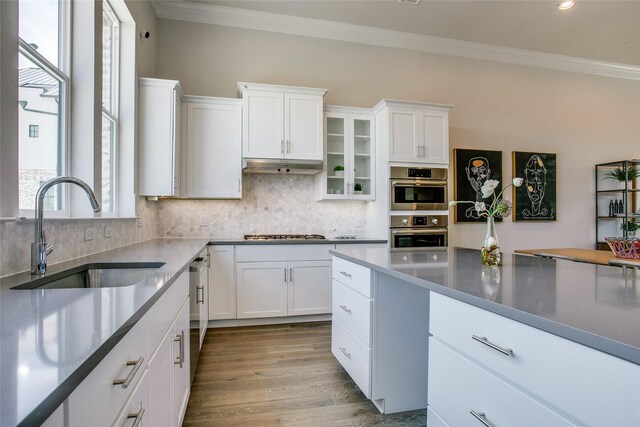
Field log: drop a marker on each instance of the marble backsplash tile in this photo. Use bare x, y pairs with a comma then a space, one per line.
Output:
270, 204
67, 237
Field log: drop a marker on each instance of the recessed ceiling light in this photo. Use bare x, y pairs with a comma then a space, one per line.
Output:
566, 5
410, 1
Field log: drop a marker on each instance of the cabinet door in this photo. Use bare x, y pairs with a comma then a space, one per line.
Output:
181, 374
160, 383
159, 137
404, 136
213, 151
222, 282
362, 154
203, 303
262, 290
303, 126
263, 132
435, 135
336, 140
309, 287
137, 410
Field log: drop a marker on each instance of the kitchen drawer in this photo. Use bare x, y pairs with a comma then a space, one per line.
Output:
570, 376
457, 386
283, 252
97, 401
353, 275
353, 355
353, 310
137, 407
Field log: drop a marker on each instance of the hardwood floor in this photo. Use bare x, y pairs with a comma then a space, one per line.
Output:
279, 375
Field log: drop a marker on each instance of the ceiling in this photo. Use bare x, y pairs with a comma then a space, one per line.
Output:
606, 30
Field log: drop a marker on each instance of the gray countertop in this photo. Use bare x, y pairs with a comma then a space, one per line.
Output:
594, 305
241, 241
42, 361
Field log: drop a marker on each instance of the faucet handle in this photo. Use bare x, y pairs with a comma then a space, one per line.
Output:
48, 248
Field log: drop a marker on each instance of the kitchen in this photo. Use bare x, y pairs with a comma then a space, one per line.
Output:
498, 105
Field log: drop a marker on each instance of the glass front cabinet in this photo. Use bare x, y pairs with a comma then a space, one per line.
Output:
617, 200
348, 172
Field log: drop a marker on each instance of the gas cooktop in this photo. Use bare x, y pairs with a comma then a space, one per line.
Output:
284, 237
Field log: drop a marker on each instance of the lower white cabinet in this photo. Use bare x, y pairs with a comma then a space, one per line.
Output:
146, 375
222, 282
283, 280
379, 335
494, 364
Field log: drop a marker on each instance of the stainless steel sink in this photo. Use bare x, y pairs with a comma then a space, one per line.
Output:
96, 275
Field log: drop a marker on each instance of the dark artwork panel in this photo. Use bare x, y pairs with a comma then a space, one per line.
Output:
471, 168
535, 199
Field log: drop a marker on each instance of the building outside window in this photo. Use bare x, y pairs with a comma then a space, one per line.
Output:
34, 131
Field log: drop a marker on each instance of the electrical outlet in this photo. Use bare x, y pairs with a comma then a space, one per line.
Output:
89, 233
203, 221
140, 222
107, 231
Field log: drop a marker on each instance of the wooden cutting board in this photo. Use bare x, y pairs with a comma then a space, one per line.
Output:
591, 256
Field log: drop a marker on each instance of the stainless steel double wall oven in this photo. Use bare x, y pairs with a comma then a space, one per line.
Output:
421, 191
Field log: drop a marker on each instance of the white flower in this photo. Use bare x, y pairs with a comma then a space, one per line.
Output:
517, 182
491, 242
488, 187
481, 207
453, 203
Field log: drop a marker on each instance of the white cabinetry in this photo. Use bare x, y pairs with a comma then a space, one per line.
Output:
348, 144
283, 280
519, 375
282, 122
379, 335
212, 148
159, 121
222, 282
138, 376
415, 132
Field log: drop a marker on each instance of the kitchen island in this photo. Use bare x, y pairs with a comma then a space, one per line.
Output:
564, 326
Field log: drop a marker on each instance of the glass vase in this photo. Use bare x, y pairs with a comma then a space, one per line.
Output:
491, 246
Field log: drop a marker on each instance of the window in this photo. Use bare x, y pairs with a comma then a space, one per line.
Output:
110, 67
42, 100
34, 131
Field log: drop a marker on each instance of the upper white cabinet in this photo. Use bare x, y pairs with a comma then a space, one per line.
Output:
212, 148
417, 132
349, 172
282, 122
159, 117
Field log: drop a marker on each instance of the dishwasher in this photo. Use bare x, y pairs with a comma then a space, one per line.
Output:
198, 296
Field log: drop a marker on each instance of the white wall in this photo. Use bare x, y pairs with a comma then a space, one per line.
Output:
584, 119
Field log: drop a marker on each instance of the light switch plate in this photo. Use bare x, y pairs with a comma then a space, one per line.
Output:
89, 233
107, 231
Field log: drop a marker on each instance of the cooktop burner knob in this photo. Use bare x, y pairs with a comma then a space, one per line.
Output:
405, 221
434, 221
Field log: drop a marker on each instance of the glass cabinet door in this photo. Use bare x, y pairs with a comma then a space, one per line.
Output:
362, 158
336, 155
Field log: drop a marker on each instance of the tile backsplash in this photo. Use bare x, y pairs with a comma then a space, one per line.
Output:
271, 204
68, 237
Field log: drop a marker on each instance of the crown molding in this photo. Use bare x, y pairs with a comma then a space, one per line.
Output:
307, 27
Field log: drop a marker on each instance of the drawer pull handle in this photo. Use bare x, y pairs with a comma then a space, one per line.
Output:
180, 340
480, 416
345, 352
198, 300
344, 273
125, 382
344, 307
138, 417
485, 341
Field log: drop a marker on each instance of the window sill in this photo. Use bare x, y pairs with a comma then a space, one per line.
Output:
23, 219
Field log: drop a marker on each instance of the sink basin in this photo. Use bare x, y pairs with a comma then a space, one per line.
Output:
97, 275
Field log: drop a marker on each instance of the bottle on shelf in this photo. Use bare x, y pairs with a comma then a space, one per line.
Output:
611, 207
620, 207
615, 207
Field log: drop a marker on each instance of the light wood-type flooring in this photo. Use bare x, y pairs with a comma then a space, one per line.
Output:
279, 375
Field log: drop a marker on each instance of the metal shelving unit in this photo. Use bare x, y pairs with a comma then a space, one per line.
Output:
610, 189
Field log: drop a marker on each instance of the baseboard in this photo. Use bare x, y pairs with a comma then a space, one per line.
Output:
226, 323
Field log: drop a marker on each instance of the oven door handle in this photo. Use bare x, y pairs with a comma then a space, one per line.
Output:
413, 231
419, 183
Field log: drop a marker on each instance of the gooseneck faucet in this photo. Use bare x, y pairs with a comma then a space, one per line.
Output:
40, 248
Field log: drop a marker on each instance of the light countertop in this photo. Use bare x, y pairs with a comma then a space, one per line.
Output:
594, 305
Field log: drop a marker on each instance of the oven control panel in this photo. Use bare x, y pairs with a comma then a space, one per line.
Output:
418, 221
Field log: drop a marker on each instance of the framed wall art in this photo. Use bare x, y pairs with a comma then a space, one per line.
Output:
471, 168
535, 199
